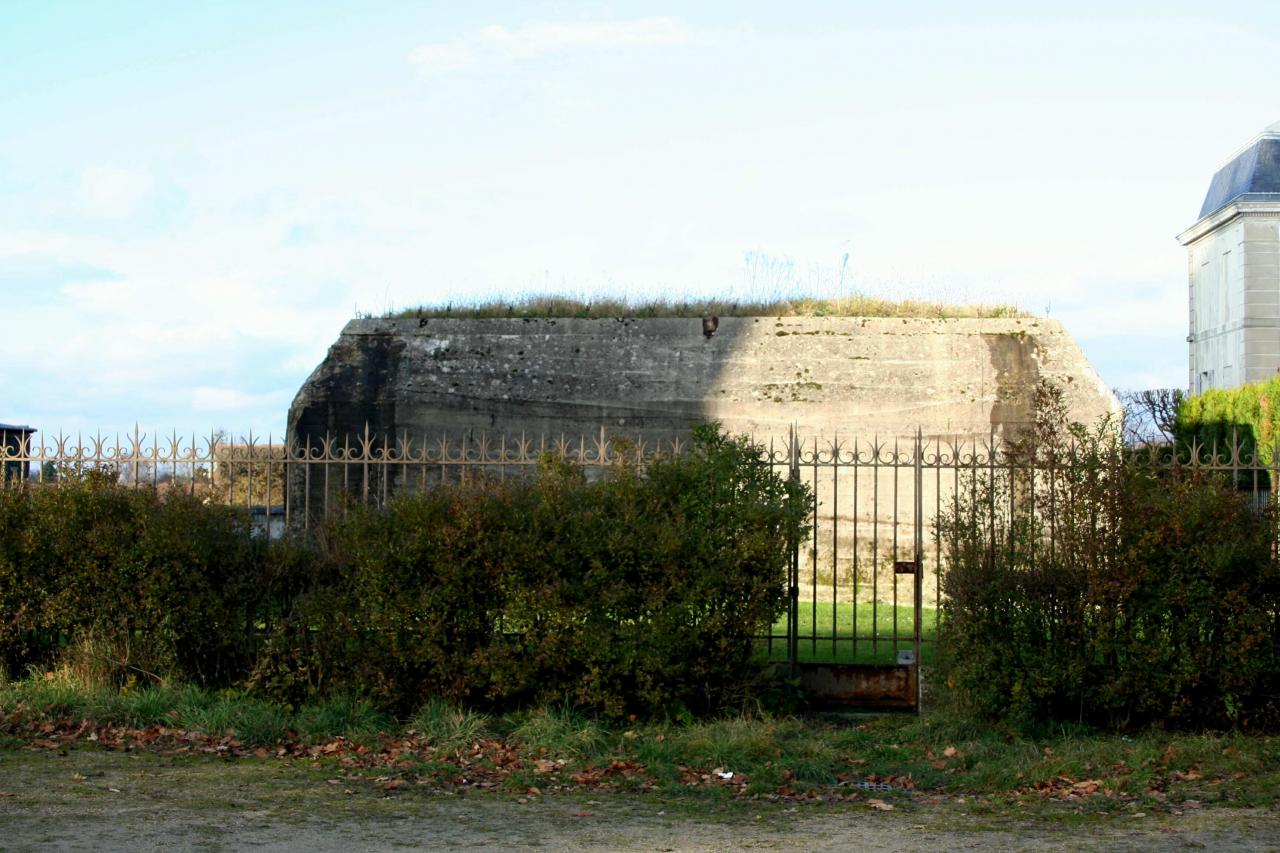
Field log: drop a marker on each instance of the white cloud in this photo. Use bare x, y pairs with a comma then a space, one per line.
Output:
113, 193
223, 400
543, 38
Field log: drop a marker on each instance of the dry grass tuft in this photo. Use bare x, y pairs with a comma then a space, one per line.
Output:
568, 307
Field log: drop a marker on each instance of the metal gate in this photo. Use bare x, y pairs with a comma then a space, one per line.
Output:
863, 589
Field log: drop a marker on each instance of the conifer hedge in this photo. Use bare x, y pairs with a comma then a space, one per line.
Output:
1248, 415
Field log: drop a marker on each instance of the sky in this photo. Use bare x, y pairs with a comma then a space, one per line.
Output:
194, 198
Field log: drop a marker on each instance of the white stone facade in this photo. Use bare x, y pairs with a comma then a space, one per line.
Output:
1233, 260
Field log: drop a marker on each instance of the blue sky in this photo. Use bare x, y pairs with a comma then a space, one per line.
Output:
193, 202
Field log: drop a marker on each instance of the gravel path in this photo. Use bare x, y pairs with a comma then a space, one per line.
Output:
94, 800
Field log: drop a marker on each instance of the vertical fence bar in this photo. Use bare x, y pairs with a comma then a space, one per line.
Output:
856, 567
793, 626
248, 452
286, 492
875, 549
773, 461
835, 548
918, 577
897, 470
937, 542
991, 492
813, 561
268, 455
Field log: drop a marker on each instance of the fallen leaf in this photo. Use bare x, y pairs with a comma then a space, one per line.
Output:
951, 752
1086, 788
880, 805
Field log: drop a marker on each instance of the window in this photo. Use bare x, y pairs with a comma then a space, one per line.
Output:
1224, 286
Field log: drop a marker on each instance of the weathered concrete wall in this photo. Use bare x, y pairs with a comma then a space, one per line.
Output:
649, 378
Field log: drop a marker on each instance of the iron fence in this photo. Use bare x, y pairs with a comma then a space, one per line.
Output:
865, 586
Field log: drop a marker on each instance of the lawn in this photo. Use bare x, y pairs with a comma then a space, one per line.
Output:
842, 632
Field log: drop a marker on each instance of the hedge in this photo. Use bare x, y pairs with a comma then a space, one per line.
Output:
1154, 600
639, 592
1248, 415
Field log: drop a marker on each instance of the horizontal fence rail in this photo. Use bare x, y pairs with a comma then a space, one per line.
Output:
865, 586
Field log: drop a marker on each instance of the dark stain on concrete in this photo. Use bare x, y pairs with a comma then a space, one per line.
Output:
1014, 358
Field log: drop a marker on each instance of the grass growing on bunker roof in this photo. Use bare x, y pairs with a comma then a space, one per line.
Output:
569, 307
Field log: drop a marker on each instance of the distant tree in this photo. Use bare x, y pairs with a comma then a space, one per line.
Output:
1149, 415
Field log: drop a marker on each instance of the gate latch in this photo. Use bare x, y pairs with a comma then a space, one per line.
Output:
906, 567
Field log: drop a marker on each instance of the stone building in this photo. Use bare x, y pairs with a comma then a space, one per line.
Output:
1233, 264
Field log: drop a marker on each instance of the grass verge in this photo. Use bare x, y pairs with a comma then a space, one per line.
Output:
753, 756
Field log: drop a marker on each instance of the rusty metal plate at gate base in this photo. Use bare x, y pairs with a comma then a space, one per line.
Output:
871, 687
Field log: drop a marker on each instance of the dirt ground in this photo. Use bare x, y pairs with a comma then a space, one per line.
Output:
96, 800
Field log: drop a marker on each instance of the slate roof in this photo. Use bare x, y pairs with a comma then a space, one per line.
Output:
1253, 175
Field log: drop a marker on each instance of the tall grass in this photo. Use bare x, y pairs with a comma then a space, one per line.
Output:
449, 727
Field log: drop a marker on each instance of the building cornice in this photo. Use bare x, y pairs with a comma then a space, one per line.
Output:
1220, 217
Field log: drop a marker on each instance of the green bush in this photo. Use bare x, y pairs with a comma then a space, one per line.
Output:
640, 592
637, 593
127, 582
1131, 595
1247, 417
